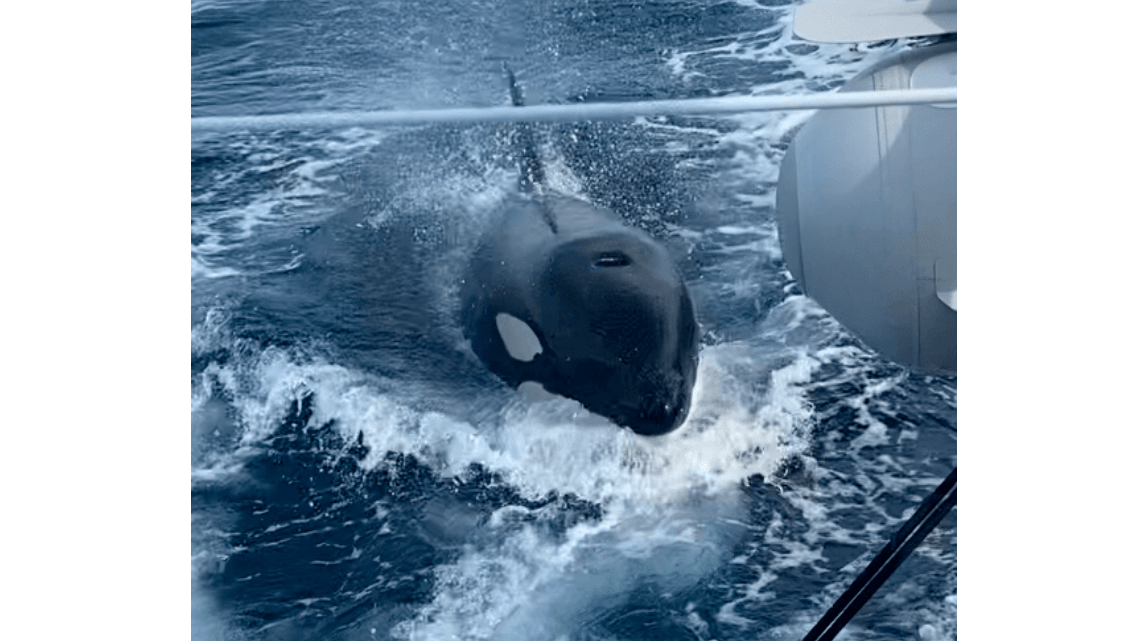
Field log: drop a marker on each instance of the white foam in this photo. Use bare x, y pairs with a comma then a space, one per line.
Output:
746, 418
275, 188
200, 268
668, 502
530, 586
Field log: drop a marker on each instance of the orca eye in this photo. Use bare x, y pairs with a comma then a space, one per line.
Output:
611, 259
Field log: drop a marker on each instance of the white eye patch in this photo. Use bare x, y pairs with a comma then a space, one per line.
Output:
518, 337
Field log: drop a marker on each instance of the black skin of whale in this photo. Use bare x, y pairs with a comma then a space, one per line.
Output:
614, 319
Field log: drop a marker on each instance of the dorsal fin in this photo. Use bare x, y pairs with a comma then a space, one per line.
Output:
530, 166
531, 174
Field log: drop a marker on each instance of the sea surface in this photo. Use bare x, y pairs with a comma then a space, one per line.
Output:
357, 473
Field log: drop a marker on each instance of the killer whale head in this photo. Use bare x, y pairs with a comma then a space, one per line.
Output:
596, 312
620, 328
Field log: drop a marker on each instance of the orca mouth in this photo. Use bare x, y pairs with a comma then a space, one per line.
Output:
612, 259
657, 419
658, 425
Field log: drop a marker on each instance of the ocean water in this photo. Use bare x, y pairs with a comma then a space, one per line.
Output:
356, 473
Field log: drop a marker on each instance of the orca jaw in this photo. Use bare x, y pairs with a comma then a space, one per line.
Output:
657, 418
647, 399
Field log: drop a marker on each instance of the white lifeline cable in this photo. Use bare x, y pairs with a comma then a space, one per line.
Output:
577, 112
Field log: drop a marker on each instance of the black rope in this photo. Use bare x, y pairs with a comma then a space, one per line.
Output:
928, 515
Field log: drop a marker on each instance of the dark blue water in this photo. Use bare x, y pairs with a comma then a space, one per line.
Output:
356, 473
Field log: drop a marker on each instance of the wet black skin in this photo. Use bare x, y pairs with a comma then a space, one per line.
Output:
613, 317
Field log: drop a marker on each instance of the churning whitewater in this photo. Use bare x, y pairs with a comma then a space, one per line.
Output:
358, 473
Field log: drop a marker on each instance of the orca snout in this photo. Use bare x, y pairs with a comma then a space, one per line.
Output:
660, 405
658, 418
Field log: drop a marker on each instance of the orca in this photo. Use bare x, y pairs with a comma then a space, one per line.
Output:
561, 293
